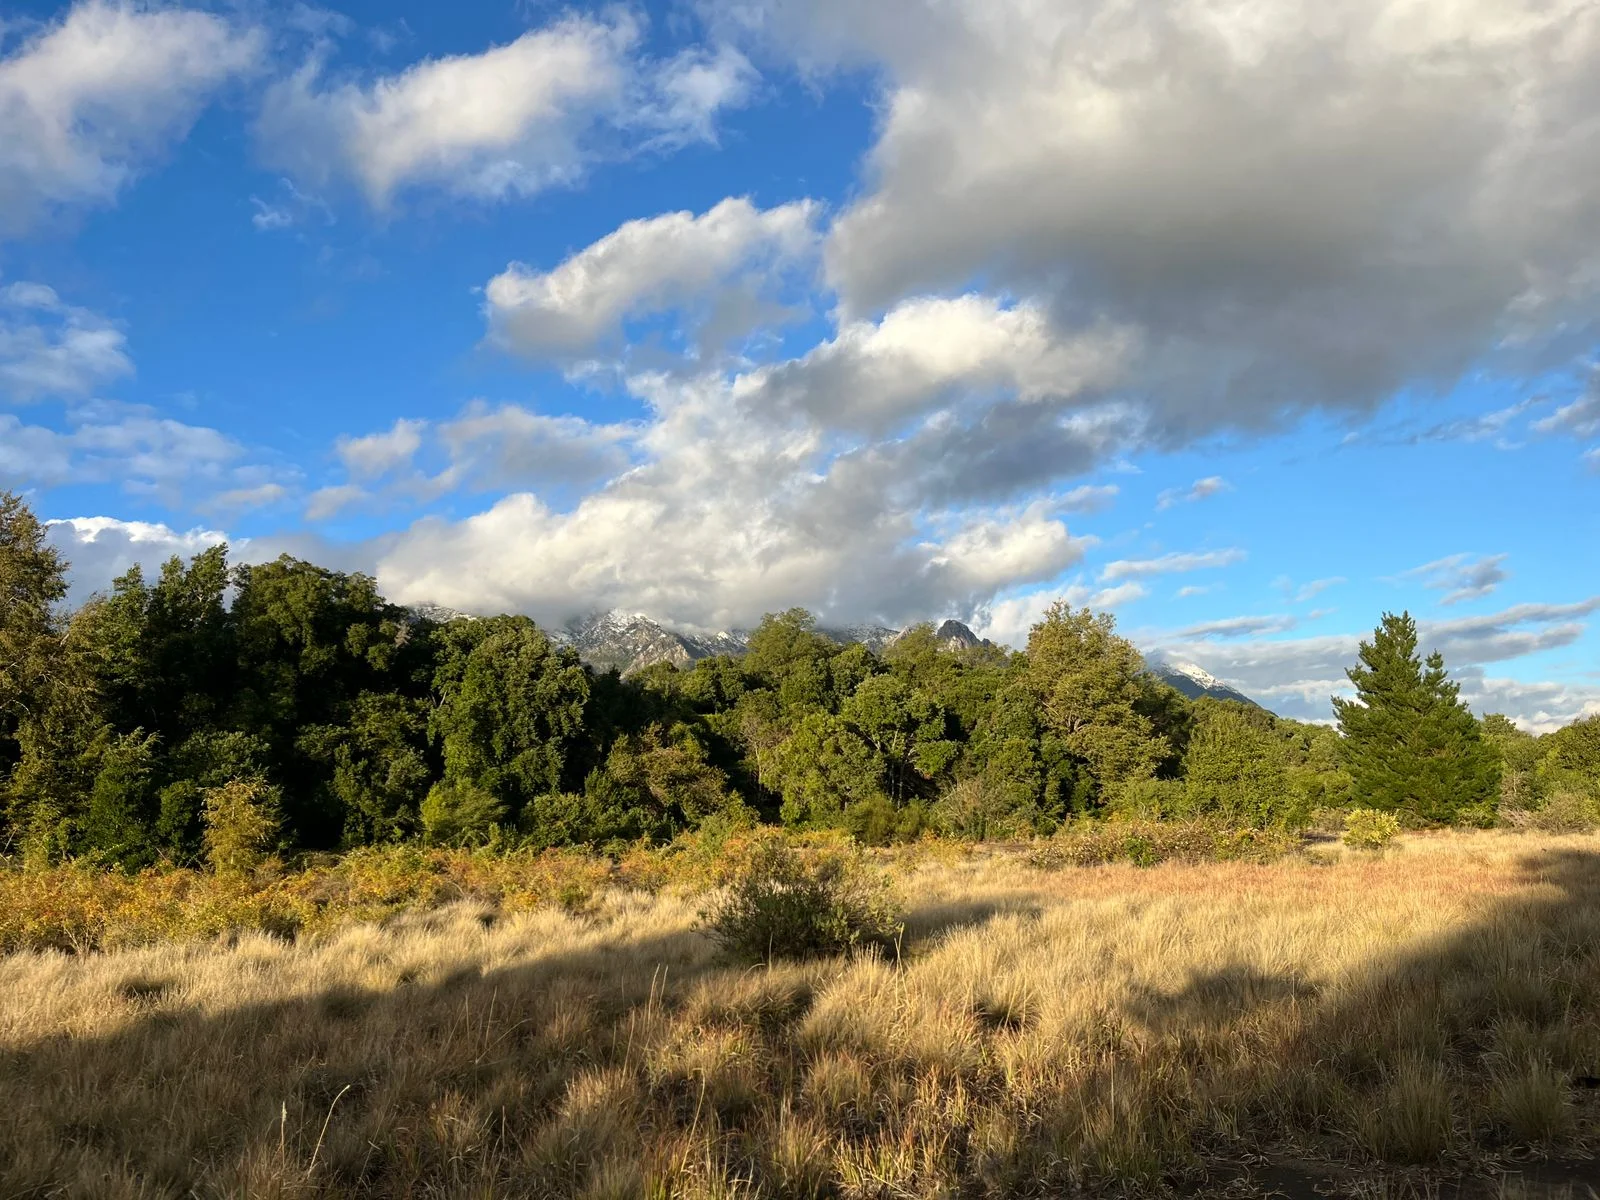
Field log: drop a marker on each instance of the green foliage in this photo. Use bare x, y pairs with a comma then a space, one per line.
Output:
1562, 812
509, 709
363, 723
1092, 690
460, 813
791, 903
984, 807
242, 819
1570, 758
1236, 768
1410, 744
120, 824
1370, 829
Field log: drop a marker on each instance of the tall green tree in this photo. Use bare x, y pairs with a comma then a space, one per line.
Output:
1410, 743
1094, 693
508, 710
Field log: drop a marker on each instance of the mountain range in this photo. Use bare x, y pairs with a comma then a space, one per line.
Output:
631, 642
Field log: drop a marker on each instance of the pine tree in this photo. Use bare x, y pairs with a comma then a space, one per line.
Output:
1410, 744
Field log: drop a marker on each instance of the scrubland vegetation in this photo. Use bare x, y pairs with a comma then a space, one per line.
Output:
1367, 1024
304, 894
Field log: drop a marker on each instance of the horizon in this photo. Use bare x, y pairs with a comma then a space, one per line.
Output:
1244, 324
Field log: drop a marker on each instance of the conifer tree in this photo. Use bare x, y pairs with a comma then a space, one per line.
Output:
1410, 744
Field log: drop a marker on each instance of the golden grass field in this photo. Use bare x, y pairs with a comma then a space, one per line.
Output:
1403, 1024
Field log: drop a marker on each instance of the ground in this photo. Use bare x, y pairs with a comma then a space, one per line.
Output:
1420, 1022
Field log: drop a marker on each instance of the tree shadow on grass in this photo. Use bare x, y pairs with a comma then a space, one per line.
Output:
606, 1068
1470, 1062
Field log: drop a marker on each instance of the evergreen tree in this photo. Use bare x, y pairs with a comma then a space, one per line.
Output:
1410, 744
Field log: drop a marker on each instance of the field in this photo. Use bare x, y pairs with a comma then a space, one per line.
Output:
1420, 1022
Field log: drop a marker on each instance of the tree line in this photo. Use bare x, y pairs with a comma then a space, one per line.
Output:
299, 699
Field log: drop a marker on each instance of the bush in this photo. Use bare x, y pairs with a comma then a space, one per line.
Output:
980, 809
788, 903
1564, 812
1368, 829
1146, 843
242, 819
461, 814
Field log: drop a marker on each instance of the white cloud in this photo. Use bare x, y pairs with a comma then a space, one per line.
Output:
331, 501
1089, 498
722, 266
1292, 204
512, 120
98, 549
1461, 576
724, 516
930, 353
125, 444
1312, 589
51, 348
1007, 622
1200, 489
89, 99
1580, 418
1237, 627
261, 495
381, 453
1167, 564
511, 447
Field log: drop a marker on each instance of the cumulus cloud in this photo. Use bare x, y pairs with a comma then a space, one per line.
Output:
376, 454
130, 445
89, 99
718, 271
723, 517
1168, 564
1200, 489
51, 348
331, 501
928, 353
1294, 205
98, 549
512, 120
1007, 622
1461, 576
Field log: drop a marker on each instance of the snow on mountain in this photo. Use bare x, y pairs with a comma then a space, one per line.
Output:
1193, 681
631, 642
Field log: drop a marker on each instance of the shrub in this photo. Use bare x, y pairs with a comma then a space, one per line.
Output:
242, 819
1368, 829
461, 814
980, 809
787, 903
1564, 812
1146, 843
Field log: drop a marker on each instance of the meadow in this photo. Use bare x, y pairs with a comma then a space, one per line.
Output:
1421, 1021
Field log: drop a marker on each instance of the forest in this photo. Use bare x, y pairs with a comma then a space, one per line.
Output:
297, 704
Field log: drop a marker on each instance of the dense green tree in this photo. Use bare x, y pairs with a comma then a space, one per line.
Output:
1410, 744
1236, 768
508, 710
1092, 690
1570, 757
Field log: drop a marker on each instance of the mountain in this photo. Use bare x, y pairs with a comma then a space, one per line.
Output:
876, 638
632, 641
1194, 682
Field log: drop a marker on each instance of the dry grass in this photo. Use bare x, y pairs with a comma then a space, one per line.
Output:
1203, 1028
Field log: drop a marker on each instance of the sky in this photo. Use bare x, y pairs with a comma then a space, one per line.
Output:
1245, 320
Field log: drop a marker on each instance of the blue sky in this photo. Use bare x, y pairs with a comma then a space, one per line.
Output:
1248, 322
